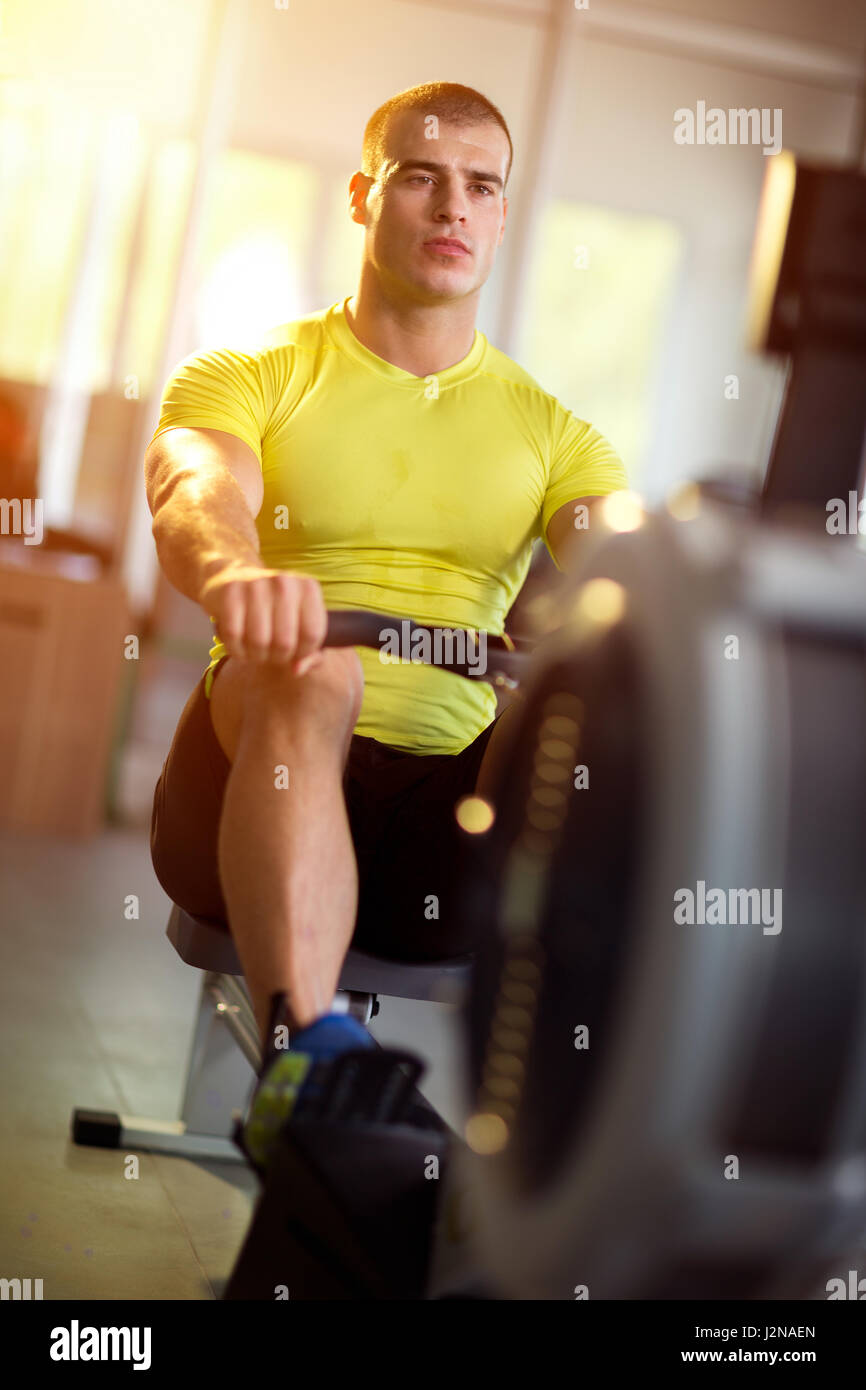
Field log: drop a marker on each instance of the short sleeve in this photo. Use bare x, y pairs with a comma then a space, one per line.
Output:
218, 390
583, 464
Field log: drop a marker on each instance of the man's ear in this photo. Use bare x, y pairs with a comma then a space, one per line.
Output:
359, 186
504, 214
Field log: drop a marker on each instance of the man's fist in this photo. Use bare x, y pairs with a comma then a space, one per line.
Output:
267, 615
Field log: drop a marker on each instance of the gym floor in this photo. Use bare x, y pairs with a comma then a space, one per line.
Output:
97, 1011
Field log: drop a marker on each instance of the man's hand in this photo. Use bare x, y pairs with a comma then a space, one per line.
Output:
267, 615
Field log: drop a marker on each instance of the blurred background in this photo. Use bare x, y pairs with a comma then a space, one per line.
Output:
174, 177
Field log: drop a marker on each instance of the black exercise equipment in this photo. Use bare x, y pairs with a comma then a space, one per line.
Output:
605, 1160
808, 303
348, 1211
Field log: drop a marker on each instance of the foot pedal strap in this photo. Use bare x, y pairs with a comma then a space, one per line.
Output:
365, 1086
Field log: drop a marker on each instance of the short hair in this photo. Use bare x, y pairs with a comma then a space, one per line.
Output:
449, 101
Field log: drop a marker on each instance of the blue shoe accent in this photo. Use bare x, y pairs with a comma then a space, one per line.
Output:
330, 1035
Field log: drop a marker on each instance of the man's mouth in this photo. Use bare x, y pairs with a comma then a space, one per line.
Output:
447, 246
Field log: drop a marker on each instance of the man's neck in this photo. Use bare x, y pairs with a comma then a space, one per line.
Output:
421, 338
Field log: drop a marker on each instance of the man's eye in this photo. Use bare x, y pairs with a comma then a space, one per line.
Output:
416, 177
484, 188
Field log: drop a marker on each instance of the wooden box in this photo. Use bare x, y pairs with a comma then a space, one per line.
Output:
62, 629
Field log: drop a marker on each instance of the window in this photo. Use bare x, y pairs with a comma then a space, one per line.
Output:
599, 288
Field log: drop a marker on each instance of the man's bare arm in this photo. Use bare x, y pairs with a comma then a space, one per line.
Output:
563, 535
204, 489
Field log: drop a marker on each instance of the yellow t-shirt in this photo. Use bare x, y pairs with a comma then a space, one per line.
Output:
413, 496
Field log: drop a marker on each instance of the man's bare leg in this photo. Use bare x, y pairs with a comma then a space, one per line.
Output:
286, 859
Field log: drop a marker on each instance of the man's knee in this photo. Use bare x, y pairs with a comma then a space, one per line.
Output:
333, 689
263, 695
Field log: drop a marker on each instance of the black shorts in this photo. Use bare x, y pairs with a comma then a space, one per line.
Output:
401, 814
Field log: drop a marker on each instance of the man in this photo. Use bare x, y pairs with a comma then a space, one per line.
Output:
377, 455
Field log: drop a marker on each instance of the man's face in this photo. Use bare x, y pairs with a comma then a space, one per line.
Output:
449, 187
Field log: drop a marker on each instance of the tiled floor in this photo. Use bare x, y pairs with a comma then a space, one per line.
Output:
97, 1010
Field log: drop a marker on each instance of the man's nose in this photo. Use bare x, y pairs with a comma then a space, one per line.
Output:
452, 203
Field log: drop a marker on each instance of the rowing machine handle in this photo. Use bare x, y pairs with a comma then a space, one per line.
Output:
476, 655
